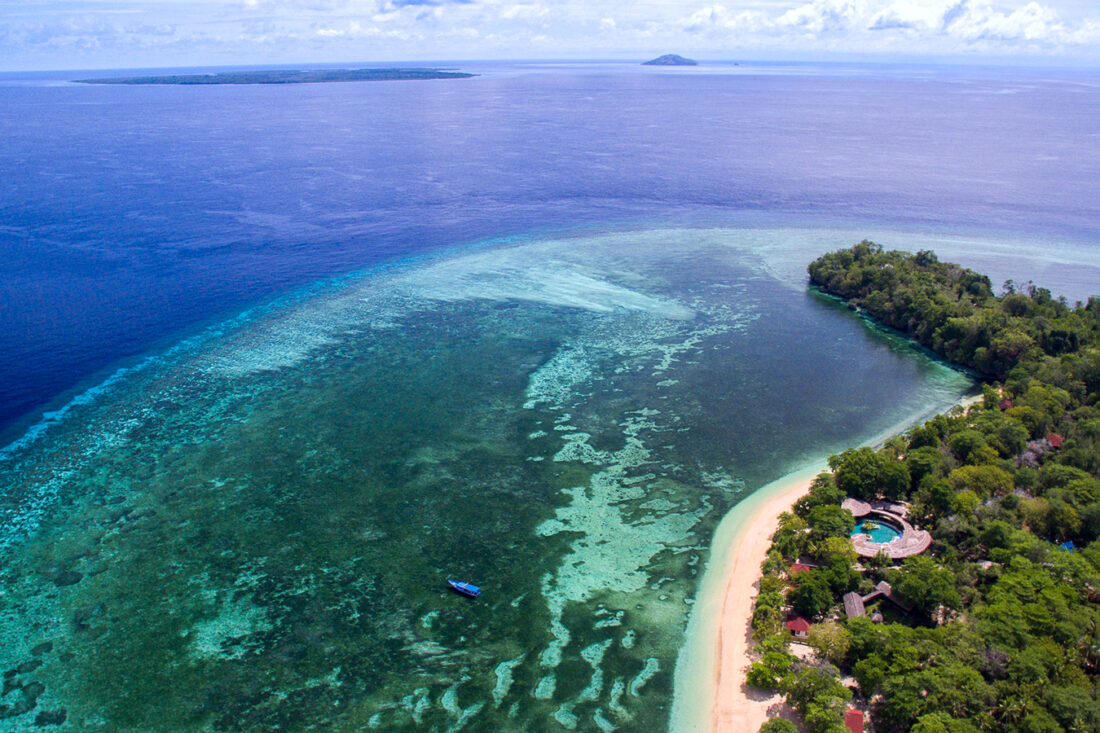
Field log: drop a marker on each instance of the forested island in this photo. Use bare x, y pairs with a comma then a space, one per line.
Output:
286, 76
996, 625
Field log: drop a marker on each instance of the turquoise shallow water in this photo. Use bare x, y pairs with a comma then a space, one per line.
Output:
254, 530
880, 532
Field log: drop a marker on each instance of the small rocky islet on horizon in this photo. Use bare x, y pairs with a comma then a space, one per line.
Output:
671, 59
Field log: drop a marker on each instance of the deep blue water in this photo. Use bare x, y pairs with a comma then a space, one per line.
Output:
133, 216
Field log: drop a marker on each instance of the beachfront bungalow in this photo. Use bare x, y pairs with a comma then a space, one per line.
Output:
798, 568
799, 627
853, 720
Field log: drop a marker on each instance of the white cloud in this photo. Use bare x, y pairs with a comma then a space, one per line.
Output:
523, 10
979, 20
129, 32
924, 26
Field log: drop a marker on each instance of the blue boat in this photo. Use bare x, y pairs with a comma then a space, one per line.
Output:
465, 588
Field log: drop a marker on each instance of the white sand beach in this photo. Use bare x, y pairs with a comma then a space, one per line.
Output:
711, 693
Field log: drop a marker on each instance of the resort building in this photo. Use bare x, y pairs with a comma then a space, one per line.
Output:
799, 627
1036, 449
881, 527
855, 605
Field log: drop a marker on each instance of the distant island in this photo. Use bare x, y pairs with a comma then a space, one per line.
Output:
671, 59
288, 76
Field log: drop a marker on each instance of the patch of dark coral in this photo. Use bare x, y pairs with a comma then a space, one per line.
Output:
44, 648
25, 701
51, 717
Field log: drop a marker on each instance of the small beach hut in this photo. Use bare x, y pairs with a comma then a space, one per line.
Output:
798, 568
799, 627
853, 605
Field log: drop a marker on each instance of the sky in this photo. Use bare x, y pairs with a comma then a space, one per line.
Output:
84, 34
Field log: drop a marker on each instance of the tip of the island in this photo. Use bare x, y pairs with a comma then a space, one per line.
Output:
671, 59
287, 76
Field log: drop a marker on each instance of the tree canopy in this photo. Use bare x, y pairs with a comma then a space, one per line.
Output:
1000, 623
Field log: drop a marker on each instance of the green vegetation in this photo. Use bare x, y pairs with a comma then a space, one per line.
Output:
953, 311
286, 76
999, 627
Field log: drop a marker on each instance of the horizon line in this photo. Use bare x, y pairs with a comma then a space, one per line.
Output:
992, 62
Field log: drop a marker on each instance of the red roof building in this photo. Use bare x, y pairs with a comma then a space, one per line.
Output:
1055, 440
799, 627
798, 568
1005, 404
853, 720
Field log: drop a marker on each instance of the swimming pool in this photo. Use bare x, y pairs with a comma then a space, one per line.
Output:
881, 532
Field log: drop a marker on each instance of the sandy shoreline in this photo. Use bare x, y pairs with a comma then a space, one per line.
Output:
711, 695
736, 706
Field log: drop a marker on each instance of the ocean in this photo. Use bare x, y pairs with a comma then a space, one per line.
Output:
278, 361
